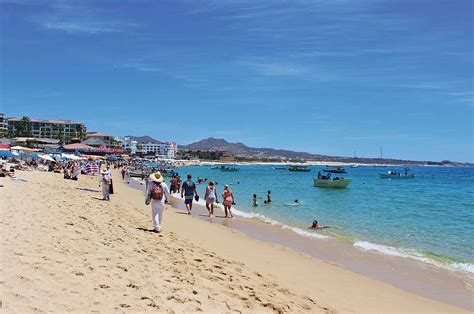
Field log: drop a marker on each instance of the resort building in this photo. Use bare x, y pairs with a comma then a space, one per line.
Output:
128, 144
64, 130
157, 148
3, 125
105, 138
165, 150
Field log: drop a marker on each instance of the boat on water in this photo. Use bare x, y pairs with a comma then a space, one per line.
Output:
393, 174
280, 168
355, 166
299, 168
229, 169
334, 169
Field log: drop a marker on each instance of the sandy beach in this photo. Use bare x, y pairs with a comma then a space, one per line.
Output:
64, 249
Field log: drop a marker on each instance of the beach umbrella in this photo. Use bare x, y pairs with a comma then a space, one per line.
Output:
47, 157
7, 154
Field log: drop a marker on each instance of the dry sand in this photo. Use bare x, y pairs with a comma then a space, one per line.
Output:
63, 249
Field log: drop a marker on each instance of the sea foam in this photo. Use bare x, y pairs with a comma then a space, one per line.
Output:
405, 253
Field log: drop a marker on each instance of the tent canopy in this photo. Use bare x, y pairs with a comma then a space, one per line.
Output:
21, 148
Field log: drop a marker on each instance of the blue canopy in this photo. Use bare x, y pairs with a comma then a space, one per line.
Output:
51, 151
4, 153
112, 158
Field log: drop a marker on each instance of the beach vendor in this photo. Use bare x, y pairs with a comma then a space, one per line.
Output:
228, 198
105, 180
157, 195
210, 197
189, 191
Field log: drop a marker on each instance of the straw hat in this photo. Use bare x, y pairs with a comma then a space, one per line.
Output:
104, 171
156, 177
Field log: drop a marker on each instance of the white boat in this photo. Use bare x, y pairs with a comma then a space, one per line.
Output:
397, 175
332, 183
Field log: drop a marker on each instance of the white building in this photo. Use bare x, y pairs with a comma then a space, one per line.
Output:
159, 149
165, 150
128, 144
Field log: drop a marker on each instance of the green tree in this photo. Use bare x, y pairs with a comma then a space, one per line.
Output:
24, 128
60, 137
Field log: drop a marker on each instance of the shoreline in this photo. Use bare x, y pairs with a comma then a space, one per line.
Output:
451, 286
84, 254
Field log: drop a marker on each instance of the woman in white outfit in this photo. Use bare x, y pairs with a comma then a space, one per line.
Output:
157, 194
127, 175
105, 180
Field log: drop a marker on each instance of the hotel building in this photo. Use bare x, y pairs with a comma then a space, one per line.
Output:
41, 128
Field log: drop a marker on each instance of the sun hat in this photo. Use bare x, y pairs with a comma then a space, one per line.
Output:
104, 171
156, 177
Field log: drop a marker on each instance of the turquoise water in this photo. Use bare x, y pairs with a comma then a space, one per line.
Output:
429, 218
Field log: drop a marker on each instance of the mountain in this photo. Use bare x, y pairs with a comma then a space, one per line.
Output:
242, 150
239, 149
143, 139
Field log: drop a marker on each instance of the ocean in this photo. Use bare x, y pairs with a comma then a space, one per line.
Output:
429, 218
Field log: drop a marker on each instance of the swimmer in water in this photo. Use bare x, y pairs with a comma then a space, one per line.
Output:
254, 200
316, 226
296, 201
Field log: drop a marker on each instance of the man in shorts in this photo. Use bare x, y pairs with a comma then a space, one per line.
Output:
189, 190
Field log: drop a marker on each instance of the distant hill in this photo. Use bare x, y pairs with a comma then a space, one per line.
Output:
242, 150
143, 139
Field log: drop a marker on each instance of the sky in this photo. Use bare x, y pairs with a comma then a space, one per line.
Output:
336, 77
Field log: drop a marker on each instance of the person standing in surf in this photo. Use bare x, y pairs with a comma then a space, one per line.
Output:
211, 198
228, 200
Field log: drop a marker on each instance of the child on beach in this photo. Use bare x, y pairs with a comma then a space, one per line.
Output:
228, 198
210, 197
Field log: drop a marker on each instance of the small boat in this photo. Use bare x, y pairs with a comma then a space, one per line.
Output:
280, 168
334, 169
229, 169
336, 183
392, 174
299, 168
355, 166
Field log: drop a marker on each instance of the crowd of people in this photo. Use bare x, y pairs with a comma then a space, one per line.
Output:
157, 191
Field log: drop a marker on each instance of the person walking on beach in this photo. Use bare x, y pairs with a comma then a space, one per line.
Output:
127, 175
210, 197
123, 173
105, 180
157, 194
228, 198
173, 185
189, 190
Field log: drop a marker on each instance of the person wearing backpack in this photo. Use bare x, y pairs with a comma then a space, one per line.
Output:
157, 195
105, 180
189, 191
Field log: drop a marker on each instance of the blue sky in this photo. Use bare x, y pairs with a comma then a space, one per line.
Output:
324, 76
